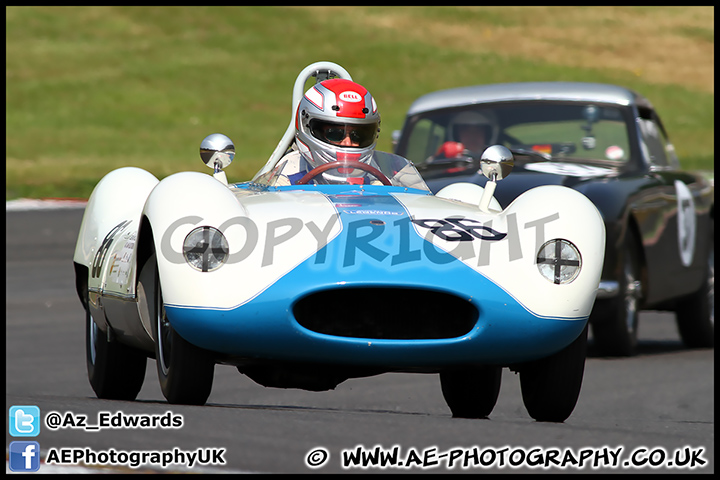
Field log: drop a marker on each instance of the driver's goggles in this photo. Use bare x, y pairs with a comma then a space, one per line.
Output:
333, 133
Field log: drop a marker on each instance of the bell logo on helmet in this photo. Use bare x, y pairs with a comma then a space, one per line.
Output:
349, 96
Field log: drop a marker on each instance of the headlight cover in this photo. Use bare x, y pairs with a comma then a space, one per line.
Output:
205, 249
559, 261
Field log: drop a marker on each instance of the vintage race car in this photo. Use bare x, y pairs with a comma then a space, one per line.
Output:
607, 142
310, 284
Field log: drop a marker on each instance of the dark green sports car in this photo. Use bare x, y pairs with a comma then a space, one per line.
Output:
609, 143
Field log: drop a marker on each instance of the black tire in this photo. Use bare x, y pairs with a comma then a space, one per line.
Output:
116, 371
695, 315
185, 371
471, 392
551, 385
615, 321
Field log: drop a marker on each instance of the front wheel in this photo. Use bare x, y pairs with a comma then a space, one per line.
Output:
551, 385
185, 371
116, 371
471, 392
615, 321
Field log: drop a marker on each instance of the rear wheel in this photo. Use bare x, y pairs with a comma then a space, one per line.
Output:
551, 385
116, 371
185, 371
696, 314
471, 392
615, 321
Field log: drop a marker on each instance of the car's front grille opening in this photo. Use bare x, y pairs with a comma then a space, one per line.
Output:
386, 313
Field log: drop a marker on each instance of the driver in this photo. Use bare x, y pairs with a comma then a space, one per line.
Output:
337, 121
469, 133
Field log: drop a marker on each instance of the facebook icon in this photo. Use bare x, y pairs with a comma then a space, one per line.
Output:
24, 456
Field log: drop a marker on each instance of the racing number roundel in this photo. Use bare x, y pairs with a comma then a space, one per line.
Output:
686, 223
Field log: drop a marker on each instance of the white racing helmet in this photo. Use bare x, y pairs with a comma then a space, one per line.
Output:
337, 120
478, 118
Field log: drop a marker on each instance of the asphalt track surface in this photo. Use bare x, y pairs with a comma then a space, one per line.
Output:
651, 410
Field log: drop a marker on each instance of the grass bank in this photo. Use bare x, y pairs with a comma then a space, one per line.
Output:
91, 89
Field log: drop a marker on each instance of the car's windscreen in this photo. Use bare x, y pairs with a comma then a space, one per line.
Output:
380, 169
563, 130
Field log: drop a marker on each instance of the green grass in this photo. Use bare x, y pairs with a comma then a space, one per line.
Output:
91, 89
606, 133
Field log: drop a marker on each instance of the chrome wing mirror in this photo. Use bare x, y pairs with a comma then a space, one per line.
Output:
496, 163
217, 151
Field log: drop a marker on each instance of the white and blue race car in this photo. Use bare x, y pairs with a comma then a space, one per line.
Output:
308, 285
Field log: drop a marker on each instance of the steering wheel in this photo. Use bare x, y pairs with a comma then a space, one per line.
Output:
347, 164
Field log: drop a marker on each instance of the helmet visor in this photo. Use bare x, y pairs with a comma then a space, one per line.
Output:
344, 135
